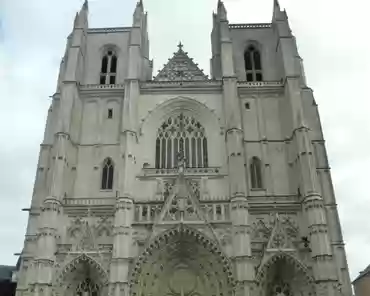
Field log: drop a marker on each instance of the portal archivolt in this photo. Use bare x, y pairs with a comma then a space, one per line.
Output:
82, 277
182, 264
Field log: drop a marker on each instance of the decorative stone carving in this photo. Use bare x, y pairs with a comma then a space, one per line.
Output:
104, 227
224, 235
139, 237
279, 238
260, 231
180, 68
83, 235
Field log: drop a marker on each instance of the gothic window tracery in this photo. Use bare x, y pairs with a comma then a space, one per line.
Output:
253, 65
181, 133
108, 71
107, 174
87, 288
256, 173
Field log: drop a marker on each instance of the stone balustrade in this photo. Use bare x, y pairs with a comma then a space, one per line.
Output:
213, 212
153, 172
250, 26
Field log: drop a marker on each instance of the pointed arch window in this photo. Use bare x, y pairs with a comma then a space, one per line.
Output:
107, 175
253, 65
256, 173
181, 133
108, 71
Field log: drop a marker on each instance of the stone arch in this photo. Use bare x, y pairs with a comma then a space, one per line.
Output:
253, 60
270, 275
76, 271
178, 252
208, 118
108, 46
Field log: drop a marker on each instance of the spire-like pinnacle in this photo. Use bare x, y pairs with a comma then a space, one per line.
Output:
278, 13
138, 13
221, 10
140, 4
85, 5
76, 20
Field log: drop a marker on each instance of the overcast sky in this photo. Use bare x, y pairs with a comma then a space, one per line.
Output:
333, 40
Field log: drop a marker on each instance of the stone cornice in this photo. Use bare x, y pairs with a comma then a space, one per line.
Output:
101, 90
205, 86
260, 87
251, 26
109, 30
211, 172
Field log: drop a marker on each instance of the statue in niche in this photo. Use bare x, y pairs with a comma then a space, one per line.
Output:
181, 161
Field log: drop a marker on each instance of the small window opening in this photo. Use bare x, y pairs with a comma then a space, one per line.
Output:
110, 113
256, 173
107, 175
247, 106
109, 68
253, 65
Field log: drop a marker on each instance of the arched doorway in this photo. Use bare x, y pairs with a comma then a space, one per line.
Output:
283, 275
83, 276
182, 262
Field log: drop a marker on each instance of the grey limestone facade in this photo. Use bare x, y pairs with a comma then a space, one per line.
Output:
183, 184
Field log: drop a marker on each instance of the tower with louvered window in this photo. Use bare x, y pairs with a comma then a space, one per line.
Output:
183, 184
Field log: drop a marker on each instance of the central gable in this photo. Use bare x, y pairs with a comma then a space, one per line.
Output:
181, 68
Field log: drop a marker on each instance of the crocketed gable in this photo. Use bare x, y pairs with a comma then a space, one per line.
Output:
181, 68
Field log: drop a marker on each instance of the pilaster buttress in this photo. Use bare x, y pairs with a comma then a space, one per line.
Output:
236, 160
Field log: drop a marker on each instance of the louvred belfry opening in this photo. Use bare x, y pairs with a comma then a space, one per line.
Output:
181, 68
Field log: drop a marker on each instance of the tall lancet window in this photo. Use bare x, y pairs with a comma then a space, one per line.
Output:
107, 175
108, 71
87, 288
181, 133
253, 65
256, 173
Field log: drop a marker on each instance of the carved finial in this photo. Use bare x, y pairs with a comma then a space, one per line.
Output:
180, 46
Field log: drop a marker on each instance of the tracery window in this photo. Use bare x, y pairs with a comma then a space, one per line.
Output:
108, 71
107, 174
256, 173
181, 133
253, 65
87, 288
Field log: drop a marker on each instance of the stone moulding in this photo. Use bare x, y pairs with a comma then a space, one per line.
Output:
189, 172
162, 86
89, 206
250, 26
108, 30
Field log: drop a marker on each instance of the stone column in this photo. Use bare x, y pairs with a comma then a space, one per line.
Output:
119, 270
242, 246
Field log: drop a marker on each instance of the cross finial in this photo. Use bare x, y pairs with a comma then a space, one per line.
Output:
180, 46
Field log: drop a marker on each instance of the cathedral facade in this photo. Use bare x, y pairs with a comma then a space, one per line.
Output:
183, 184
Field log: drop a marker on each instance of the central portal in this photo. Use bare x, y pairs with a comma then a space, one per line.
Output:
183, 263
